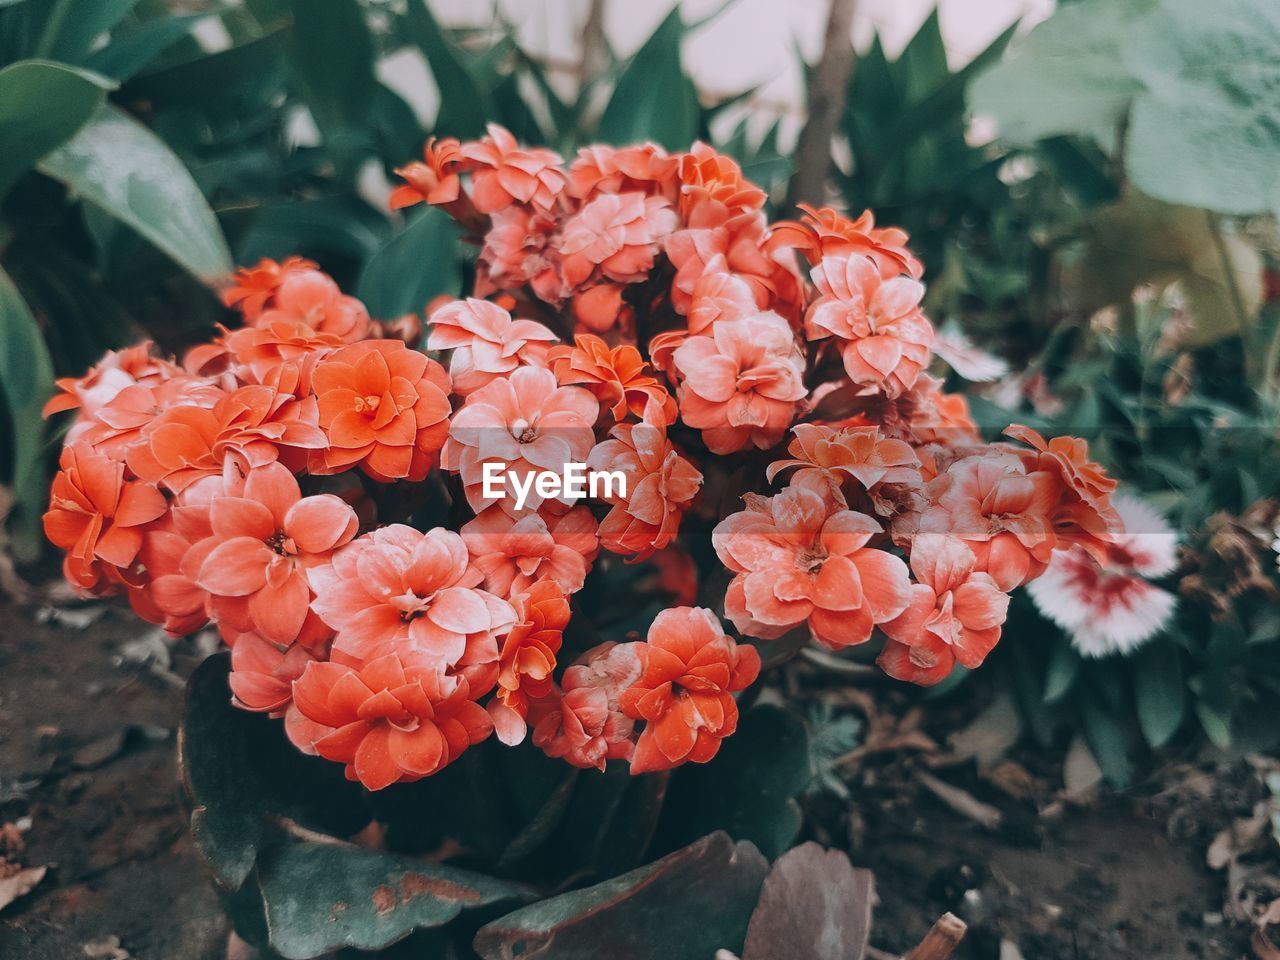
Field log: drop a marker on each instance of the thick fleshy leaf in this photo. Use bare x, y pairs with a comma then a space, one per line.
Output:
814, 906
321, 897
119, 165
747, 789
688, 904
26, 380
415, 265
654, 99
42, 105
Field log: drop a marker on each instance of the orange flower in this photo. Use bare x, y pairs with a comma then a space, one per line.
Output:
168, 594
397, 718
830, 455
264, 542
616, 376
684, 695
825, 233
434, 179
660, 487
506, 174
117, 370
262, 673
117, 426
645, 167
708, 177
527, 657
257, 354
96, 515
485, 341
513, 554
245, 429
582, 722
382, 406
253, 287
312, 298
617, 235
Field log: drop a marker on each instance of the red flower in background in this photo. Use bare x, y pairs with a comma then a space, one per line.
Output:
691, 668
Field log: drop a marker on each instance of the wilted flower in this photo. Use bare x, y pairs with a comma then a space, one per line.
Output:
582, 722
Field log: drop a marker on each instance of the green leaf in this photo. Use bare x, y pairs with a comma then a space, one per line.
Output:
654, 98
26, 381
463, 105
688, 904
131, 51
1066, 76
73, 27
333, 58
1064, 666
323, 228
320, 897
1216, 724
226, 83
415, 265
748, 789
1207, 132
119, 165
42, 105
1107, 740
1159, 691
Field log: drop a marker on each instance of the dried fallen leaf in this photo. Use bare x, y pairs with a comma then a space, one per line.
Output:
20, 884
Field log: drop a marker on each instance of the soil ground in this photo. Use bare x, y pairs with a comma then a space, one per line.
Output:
87, 754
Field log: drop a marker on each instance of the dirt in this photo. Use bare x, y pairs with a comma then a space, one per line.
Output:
87, 753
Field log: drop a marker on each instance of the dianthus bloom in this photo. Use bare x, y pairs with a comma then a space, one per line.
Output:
485, 341
382, 406
528, 657
797, 558
618, 376
582, 722
524, 423
660, 487
884, 338
741, 384
264, 542
96, 515
399, 589
954, 616
1107, 604
511, 554
684, 695
397, 718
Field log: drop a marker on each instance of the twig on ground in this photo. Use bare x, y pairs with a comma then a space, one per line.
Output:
962, 802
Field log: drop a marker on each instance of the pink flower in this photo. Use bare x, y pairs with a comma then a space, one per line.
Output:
601, 169
264, 543
798, 558
262, 673
660, 486
833, 455
313, 298
485, 341
583, 723
1107, 605
402, 590
885, 338
719, 295
117, 370
526, 423
506, 174
1002, 512
520, 248
619, 234
955, 614
685, 694
513, 554
397, 718
741, 383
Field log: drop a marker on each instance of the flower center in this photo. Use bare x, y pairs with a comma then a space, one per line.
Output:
811, 559
282, 544
411, 605
368, 404
523, 431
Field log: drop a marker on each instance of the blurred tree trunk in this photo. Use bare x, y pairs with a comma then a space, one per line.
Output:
828, 85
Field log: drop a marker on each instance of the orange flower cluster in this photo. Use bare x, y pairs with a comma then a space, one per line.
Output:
634, 313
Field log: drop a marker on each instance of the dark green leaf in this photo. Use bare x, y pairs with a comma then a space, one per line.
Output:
1159, 689
75, 26
463, 105
714, 882
132, 50
26, 381
1107, 740
224, 82
1064, 666
321, 896
333, 59
654, 98
42, 105
119, 165
415, 265
326, 227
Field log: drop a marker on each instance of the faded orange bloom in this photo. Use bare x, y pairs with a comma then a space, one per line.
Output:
397, 718
618, 376
684, 695
600, 169
708, 177
512, 554
830, 455
262, 673
504, 173
617, 235
383, 407
312, 298
824, 232
582, 723
253, 287
434, 179
117, 370
485, 340
527, 657
96, 515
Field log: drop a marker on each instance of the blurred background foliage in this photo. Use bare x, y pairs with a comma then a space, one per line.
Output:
1116, 244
